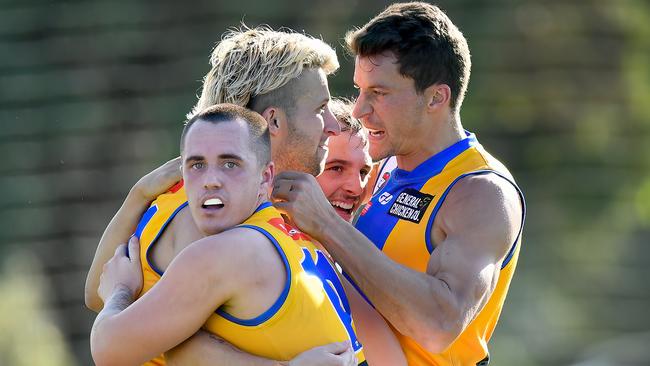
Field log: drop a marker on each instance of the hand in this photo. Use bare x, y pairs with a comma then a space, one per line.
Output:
333, 354
122, 271
159, 180
299, 196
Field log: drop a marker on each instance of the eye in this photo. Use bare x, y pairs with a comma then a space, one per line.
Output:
378, 92
336, 168
197, 165
322, 109
364, 173
230, 165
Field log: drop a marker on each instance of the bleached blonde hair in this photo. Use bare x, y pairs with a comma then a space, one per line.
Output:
252, 62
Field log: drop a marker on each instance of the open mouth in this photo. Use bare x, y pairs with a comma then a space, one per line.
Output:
376, 133
212, 204
344, 207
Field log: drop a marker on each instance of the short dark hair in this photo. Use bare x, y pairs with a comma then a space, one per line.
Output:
258, 129
428, 46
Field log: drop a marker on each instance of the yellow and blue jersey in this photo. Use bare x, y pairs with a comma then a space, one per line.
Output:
151, 226
399, 219
311, 311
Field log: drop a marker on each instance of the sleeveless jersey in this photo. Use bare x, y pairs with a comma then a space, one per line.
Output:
399, 219
311, 311
151, 226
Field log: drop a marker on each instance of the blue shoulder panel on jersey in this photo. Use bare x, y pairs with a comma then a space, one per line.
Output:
162, 229
144, 220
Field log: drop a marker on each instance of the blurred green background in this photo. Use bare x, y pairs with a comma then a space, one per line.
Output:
93, 93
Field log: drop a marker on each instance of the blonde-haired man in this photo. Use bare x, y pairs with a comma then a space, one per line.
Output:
280, 75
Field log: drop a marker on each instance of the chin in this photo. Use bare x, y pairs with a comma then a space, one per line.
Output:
208, 229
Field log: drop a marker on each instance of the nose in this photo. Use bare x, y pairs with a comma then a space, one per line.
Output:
331, 126
352, 185
361, 107
212, 179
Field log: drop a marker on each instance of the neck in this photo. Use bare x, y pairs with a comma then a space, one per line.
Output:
433, 140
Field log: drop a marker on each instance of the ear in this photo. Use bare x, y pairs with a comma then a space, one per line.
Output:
277, 121
268, 174
437, 96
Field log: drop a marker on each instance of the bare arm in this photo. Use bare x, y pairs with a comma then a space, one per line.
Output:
433, 307
207, 349
202, 277
173, 310
124, 222
380, 345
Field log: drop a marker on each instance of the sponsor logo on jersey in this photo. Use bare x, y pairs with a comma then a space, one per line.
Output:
410, 205
384, 198
381, 182
365, 208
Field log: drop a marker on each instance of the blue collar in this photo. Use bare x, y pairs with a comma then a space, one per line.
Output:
437, 162
262, 206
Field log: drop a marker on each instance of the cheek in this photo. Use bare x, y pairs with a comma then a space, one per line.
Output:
327, 183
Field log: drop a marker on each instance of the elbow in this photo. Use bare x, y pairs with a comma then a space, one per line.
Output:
102, 347
438, 335
93, 302
101, 354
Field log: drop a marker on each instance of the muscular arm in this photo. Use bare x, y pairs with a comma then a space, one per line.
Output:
172, 310
202, 277
204, 348
479, 221
118, 231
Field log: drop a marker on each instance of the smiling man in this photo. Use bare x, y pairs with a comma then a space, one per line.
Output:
348, 163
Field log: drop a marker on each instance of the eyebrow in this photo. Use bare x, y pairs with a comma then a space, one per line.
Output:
230, 157
194, 158
338, 161
222, 157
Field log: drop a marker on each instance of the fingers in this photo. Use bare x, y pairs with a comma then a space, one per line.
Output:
282, 190
283, 207
171, 170
348, 357
291, 175
120, 251
337, 348
134, 250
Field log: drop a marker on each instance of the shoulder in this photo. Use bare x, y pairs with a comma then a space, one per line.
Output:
235, 251
485, 206
482, 192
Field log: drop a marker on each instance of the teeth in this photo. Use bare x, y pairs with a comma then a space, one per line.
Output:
212, 201
343, 205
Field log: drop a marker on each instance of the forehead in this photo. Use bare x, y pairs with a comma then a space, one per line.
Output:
208, 138
350, 148
376, 69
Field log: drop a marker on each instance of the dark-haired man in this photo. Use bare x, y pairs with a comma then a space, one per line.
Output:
436, 248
